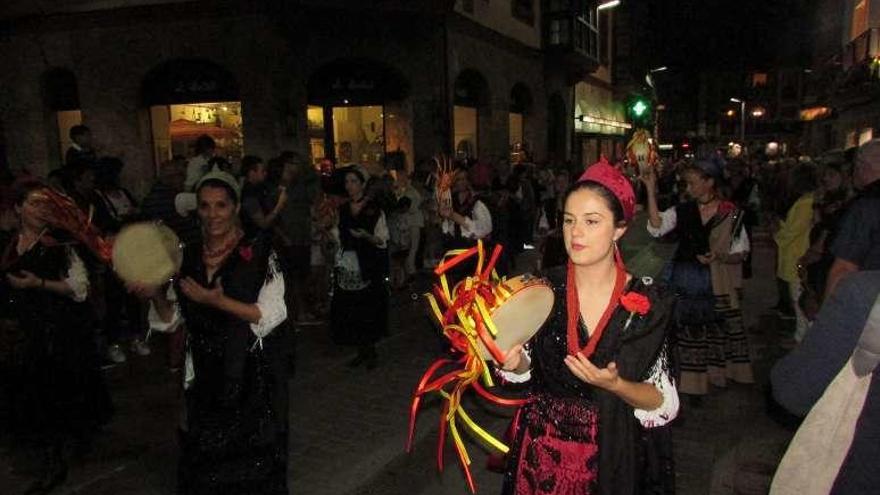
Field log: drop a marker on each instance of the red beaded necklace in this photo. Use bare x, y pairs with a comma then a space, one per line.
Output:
573, 308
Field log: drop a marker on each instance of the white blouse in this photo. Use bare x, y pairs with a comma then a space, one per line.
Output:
273, 310
349, 268
669, 219
659, 377
270, 300
477, 226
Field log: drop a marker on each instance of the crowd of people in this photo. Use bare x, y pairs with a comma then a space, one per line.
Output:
272, 246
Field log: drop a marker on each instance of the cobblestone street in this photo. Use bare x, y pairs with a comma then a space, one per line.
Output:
348, 427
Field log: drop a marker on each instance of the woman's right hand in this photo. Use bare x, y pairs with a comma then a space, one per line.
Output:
513, 358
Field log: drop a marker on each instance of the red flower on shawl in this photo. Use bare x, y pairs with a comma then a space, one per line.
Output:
635, 303
246, 252
726, 207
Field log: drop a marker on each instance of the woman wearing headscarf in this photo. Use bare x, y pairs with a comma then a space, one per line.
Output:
601, 391
230, 294
57, 394
359, 308
707, 276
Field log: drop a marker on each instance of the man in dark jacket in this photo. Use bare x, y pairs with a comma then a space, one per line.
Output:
846, 323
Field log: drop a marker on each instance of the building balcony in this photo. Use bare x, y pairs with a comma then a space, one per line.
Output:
571, 42
862, 50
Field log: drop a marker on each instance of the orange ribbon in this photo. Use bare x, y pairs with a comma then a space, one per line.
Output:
464, 313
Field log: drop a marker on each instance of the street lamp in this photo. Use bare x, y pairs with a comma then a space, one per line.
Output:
608, 5
742, 115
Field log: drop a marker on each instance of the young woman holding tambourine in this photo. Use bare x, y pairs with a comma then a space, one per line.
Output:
230, 294
599, 373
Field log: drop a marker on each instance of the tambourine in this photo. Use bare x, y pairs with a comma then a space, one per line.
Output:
522, 313
147, 253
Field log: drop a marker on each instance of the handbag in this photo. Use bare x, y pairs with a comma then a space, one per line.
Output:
820, 446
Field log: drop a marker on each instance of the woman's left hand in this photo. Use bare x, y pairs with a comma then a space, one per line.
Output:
581, 367
200, 294
24, 280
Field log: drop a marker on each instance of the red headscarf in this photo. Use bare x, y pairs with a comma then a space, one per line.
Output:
605, 174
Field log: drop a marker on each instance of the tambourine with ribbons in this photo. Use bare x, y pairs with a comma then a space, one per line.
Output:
483, 316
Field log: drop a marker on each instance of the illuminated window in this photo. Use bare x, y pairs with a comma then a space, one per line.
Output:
359, 135
66, 120
515, 121
315, 117
465, 130
759, 79
177, 127
859, 19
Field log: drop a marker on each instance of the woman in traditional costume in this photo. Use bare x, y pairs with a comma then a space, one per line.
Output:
599, 373
230, 294
359, 308
707, 277
57, 392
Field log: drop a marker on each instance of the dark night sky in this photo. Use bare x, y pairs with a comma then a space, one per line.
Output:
728, 33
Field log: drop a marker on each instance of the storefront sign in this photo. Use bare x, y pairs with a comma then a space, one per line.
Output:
189, 81
355, 82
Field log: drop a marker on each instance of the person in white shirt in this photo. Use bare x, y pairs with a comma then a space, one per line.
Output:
468, 219
197, 166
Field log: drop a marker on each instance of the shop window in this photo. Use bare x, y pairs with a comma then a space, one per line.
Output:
859, 19
359, 135
177, 127
66, 120
465, 131
520, 104
515, 121
315, 116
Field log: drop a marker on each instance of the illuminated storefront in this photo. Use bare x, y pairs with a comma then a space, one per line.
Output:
191, 98
357, 113
599, 123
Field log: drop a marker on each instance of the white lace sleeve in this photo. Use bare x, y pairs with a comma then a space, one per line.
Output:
157, 324
480, 225
668, 410
77, 277
381, 231
512, 377
668, 221
273, 309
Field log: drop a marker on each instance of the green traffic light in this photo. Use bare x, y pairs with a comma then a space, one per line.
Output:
639, 108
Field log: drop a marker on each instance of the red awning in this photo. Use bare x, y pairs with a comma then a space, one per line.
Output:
187, 129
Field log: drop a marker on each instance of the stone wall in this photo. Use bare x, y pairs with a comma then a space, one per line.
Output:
111, 54
271, 58
503, 63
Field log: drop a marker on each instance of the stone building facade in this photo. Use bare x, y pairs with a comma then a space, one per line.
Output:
281, 61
